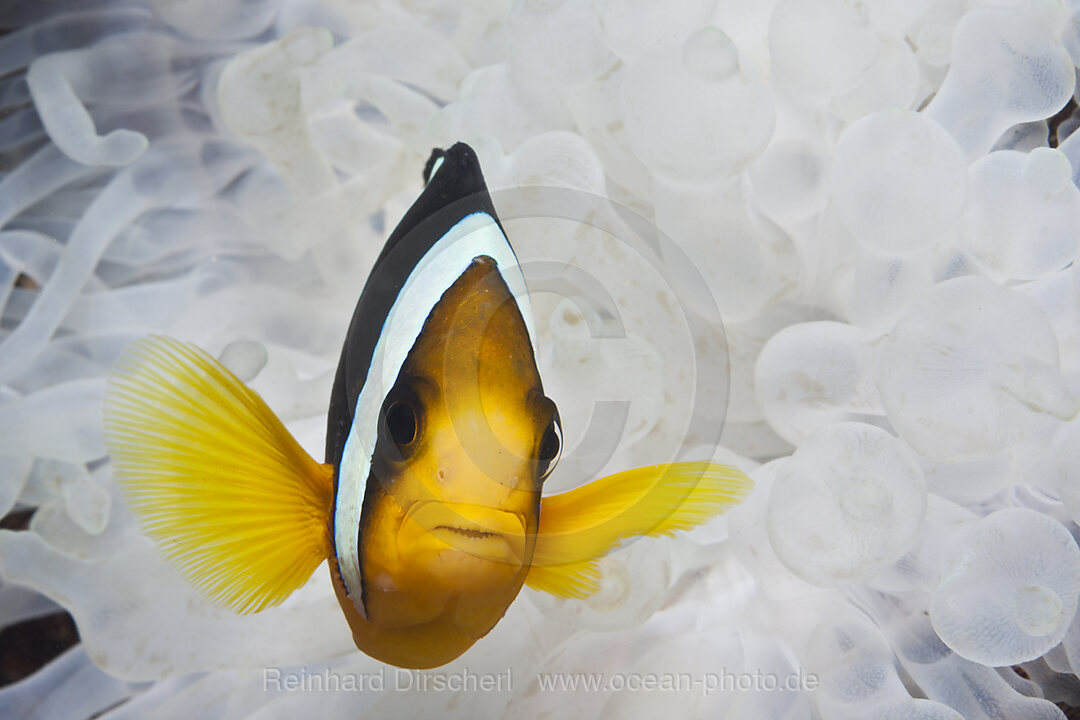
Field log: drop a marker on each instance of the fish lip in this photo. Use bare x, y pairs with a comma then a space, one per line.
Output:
484, 520
481, 530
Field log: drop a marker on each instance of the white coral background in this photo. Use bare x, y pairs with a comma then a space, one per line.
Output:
866, 297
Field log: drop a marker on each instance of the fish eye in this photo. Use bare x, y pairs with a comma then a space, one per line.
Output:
550, 447
401, 422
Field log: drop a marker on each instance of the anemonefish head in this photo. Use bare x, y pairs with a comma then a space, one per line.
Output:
439, 429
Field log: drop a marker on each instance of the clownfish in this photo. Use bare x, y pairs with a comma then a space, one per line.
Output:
429, 507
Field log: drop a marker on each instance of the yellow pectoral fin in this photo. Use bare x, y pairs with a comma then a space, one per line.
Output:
584, 524
213, 475
573, 580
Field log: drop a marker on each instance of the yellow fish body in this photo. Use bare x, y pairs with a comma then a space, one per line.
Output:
429, 506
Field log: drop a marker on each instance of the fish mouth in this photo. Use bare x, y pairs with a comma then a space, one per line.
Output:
481, 531
467, 532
